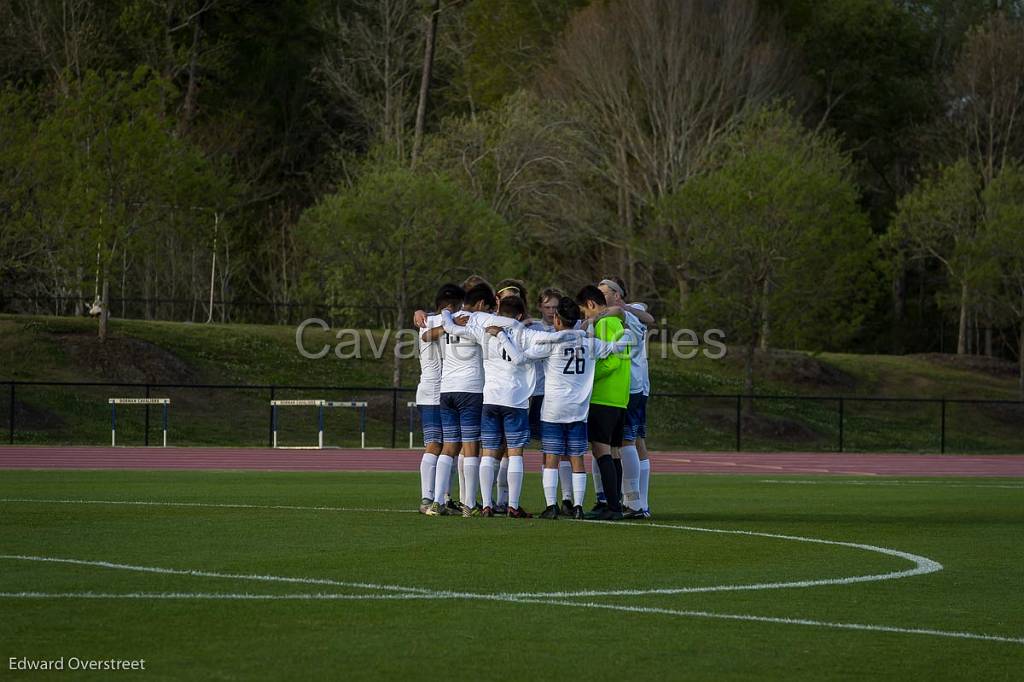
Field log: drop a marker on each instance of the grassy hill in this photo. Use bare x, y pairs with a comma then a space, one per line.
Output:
66, 349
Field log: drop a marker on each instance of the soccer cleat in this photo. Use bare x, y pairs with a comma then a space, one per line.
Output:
609, 515
599, 507
454, 508
629, 513
487, 512
469, 512
425, 505
435, 509
647, 513
566, 508
551, 512
577, 512
501, 509
519, 513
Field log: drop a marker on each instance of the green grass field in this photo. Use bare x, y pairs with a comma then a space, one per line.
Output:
410, 626
65, 349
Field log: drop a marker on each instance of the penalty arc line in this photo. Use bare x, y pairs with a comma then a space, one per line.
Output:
428, 594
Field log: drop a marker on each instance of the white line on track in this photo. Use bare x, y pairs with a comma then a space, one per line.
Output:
923, 565
935, 484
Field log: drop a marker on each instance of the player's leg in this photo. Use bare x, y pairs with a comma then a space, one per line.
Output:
553, 447
517, 435
433, 440
630, 457
576, 448
502, 497
451, 445
645, 461
601, 427
565, 481
491, 437
470, 415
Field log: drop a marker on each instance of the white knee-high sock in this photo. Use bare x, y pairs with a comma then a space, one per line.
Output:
630, 476
645, 483
596, 475
515, 480
579, 489
503, 483
550, 482
462, 479
442, 479
471, 471
488, 467
565, 479
428, 469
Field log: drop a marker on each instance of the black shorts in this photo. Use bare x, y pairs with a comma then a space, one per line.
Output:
605, 424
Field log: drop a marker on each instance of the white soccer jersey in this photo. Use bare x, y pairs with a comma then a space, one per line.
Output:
639, 380
428, 391
505, 383
568, 372
539, 326
462, 368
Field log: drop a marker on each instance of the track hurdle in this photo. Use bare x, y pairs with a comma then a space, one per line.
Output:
412, 421
114, 402
320, 405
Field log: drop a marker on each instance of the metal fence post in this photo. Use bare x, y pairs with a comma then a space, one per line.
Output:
942, 428
840, 425
394, 417
739, 421
270, 436
11, 417
146, 439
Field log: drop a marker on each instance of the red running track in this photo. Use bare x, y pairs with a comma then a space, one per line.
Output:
265, 459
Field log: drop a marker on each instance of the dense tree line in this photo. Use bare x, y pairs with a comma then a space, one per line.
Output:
819, 174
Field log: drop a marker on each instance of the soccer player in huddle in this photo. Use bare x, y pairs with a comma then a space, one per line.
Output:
569, 369
507, 390
461, 400
633, 453
428, 394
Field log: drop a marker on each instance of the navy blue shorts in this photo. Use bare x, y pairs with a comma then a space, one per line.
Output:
430, 419
535, 404
636, 418
564, 439
460, 417
505, 425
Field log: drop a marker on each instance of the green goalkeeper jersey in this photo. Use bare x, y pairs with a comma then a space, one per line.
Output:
611, 375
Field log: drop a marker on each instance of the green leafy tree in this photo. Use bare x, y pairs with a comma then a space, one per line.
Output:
939, 220
782, 250
1001, 248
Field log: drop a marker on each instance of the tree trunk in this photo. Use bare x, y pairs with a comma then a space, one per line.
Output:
748, 371
188, 107
428, 65
765, 321
961, 342
899, 300
1020, 361
79, 301
104, 310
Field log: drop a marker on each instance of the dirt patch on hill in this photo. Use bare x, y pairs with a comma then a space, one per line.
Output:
996, 367
792, 367
762, 426
126, 359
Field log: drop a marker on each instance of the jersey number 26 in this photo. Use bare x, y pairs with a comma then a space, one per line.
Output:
575, 361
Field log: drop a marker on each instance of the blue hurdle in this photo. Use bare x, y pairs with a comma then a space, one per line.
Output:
320, 405
114, 402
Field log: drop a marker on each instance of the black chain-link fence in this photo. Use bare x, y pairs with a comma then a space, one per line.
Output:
229, 415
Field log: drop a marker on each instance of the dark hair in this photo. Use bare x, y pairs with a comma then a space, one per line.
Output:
550, 292
568, 311
449, 295
472, 281
590, 293
512, 306
509, 282
481, 292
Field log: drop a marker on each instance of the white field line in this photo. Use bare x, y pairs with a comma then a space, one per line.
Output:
922, 566
419, 593
935, 484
